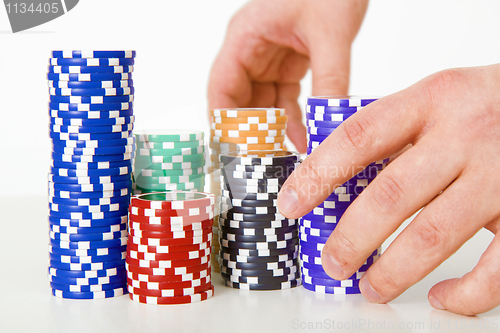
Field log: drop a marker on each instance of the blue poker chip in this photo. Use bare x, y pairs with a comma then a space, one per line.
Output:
89, 195
331, 282
87, 267
122, 277
343, 197
328, 116
88, 259
311, 252
326, 124
91, 84
87, 289
313, 239
91, 114
94, 151
88, 209
92, 99
90, 136
91, 158
93, 54
317, 224
316, 138
91, 107
332, 109
315, 231
91, 165
88, 237
89, 216
63, 172
91, 230
319, 268
331, 290
90, 69
88, 180
91, 61
319, 132
91, 295
87, 253
97, 92
125, 170
94, 143
91, 122
89, 77
322, 275
89, 245
89, 223
343, 101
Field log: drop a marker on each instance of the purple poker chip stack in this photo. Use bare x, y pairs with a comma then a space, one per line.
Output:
323, 115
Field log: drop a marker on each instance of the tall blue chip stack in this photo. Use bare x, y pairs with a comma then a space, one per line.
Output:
323, 115
91, 122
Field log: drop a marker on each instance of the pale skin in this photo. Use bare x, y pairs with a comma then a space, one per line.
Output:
451, 119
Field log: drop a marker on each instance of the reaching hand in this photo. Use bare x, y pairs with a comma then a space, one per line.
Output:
269, 47
452, 119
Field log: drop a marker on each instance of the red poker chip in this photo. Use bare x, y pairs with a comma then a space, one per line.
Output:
168, 249
168, 234
167, 271
168, 256
170, 241
168, 263
173, 200
171, 212
169, 292
174, 300
169, 278
168, 285
171, 228
170, 220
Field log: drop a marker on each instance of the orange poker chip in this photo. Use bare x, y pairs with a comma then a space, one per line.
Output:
247, 112
244, 134
248, 127
249, 140
249, 120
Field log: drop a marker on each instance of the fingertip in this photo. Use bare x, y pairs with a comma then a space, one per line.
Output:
435, 303
288, 201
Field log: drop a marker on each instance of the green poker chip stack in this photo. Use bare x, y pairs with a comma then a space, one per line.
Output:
169, 160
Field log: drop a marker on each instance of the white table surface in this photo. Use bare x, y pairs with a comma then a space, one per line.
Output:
26, 304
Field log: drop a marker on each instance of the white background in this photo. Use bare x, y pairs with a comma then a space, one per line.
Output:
176, 41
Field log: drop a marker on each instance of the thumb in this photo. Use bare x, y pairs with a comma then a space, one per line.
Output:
330, 64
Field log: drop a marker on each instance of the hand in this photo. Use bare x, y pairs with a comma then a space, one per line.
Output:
452, 119
267, 51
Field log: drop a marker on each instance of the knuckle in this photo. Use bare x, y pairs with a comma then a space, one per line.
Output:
388, 195
429, 236
358, 137
443, 83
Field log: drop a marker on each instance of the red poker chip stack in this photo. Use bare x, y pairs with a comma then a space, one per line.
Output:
169, 247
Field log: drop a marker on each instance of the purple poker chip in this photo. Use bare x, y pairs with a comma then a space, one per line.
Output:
340, 101
332, 290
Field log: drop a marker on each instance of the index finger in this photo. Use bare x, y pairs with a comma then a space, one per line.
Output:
378, 130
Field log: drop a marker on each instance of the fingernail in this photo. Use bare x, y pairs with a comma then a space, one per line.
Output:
331, 266
368, 292
288, 201
436, 303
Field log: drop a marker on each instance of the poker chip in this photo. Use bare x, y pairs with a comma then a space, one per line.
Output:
314, 273
258, 259
90, 69
88, 276
89, 187
250, 210
318, 134
247, 134
328, 116
340, 101
233, 202
330, 282
170, 220
168, 248
197, 297
88, 259
91, 61
170, 278
90, 295
87, 253
88, 244
259, 273
229, 181
260, 252
170, 241
91, 84
249, 120
266, 245
87, 266
200, 150
89, 195
258, 231
73, 93
319, 109
166, 145
89, 77
88, 236
100, 107
169, 293
228, 147
146, 187
168, 263
83, 223
91, 122
88, 180
260, 158
168, 285
169, 234
170, 173
257, 239
145, 226
268, 286
88, 288
258, 266
257, 112
91, 115
89, 136
331, 290
93, 54
280, 223
260, 279
74, 230
64, 172
248, 127
168, 256
120, 278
